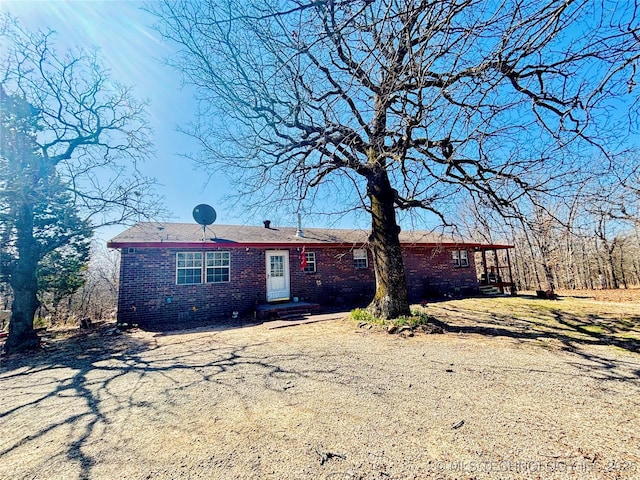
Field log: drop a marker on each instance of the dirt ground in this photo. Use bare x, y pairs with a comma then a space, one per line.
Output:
516, 388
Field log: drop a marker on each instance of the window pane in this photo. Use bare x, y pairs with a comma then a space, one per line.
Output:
188, 268
277, 266
360, 258
189, 275
460, 258
311, 262
218, 267
217, 259
215, 275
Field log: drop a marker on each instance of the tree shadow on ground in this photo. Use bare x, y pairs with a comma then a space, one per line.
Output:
92, 378
179, 328
575, 333
93, 367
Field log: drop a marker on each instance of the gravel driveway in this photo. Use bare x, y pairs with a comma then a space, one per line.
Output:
319, 400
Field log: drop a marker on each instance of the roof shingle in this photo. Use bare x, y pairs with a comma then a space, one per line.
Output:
157, 234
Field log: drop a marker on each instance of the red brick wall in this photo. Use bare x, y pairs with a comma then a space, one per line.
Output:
148, 290
336, 281
431, 273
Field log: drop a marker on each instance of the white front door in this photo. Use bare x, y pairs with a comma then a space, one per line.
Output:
277, 275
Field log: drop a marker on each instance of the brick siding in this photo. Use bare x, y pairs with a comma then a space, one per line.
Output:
431, 274
148, 292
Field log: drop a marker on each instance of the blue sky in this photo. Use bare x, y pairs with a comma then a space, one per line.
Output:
132, 51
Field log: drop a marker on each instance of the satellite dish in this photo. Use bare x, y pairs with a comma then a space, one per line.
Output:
204, 214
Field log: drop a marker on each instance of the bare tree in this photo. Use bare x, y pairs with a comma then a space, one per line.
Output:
583, 244
403, 104
97, 297
625, 192
67, 128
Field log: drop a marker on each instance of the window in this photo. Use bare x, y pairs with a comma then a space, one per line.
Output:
218, 266
360, 258
193, 267
310, 265
460, 258
188, 268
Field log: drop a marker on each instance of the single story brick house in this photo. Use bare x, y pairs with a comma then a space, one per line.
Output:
180, 272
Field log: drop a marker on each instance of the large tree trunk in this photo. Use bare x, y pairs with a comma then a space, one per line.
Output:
391, 299
24, 282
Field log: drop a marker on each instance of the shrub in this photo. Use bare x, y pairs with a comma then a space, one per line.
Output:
362, 315
416, 319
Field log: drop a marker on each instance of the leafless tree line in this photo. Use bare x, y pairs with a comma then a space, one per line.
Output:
588, 239
95, 300
577, 260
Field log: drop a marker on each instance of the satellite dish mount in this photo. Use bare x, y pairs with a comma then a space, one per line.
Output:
204, 215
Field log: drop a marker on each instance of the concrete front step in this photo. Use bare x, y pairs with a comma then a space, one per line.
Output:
489, 290
288, 310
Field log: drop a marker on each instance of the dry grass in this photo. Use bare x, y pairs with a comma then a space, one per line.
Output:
517, 388
571, 320
613, 295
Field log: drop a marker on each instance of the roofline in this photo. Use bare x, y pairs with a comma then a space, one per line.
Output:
299, 243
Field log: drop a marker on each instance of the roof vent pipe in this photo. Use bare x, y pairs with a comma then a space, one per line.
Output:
299, 233
267, 223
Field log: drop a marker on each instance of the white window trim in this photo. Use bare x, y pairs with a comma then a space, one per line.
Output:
207, 266
460, 258
311, 261
179, 268
360, 254
204, 267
